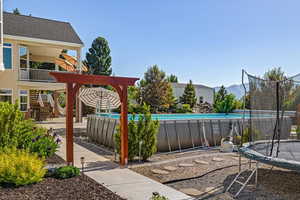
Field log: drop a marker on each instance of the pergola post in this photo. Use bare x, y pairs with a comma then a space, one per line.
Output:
69, 124
124, 126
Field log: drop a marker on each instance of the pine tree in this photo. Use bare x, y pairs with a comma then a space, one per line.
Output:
220, 96
189, 95
98, 58
16, 11
172, 78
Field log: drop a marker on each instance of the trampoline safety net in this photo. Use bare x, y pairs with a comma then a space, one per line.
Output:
271, 116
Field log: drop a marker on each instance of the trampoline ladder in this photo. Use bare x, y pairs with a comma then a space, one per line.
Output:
243, 184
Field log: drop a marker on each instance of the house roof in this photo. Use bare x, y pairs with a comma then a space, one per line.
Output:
34, 27
182, 85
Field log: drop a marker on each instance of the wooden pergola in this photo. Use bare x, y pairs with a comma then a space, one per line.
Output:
73, 82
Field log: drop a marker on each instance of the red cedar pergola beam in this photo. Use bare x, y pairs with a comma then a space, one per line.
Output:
66, 77
73, 83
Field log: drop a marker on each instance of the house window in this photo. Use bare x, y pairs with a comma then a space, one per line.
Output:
201, 99
6, 95
7, 55
23, 100
24, 61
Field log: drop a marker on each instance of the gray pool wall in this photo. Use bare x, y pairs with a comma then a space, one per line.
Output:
183, 134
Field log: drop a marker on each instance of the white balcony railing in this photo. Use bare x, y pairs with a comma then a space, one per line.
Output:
38, 75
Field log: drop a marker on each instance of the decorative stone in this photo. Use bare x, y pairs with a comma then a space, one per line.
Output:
185, 165
216, 159
191, 191
159, 171
170, 168
211, 190
201, 162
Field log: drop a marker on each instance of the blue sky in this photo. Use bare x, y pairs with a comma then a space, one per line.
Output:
208, 41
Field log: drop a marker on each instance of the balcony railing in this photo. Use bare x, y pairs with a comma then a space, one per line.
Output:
38, 75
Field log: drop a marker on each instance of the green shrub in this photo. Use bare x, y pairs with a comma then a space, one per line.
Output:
184, 108
157, 196
227, 105
19, 167
17, 132
66, 172
44, 145
247, 136
144, 130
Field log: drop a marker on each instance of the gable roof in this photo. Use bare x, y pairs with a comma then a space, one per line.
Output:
34, 27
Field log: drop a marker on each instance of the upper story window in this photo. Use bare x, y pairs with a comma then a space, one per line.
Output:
7, 55
24, 57
6, 95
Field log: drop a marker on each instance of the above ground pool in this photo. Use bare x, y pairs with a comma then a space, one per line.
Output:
181, 116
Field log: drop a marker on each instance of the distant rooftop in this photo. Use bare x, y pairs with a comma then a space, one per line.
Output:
34, 27
195, 85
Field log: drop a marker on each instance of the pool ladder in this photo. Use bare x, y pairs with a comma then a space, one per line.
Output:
253, 171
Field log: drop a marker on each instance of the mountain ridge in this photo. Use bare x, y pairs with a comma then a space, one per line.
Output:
236, 89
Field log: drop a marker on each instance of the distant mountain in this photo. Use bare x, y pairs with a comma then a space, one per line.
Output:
237, 90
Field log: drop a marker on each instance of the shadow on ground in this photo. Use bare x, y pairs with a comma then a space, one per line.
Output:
272, 184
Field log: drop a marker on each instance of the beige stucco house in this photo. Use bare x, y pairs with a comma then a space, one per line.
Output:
203, 92
30, 47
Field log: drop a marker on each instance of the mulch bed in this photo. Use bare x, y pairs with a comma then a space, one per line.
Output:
80, 187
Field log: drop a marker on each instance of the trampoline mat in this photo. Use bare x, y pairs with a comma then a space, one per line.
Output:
288, 150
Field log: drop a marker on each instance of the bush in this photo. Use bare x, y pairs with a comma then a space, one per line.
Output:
157, 196
247, 136
17, 132
66, 172
44, 145
19, 167
144, 130
185, 108
227, 105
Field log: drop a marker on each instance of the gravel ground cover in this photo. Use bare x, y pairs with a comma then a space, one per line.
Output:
215, 173
80, 187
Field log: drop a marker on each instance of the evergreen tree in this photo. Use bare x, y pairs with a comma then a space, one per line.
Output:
98, 58
16, 11
172, 78
220, 96
189, 95
155, 90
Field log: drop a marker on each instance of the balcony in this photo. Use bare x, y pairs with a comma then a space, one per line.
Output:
36, 75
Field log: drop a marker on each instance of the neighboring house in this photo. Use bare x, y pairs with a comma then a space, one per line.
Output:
31, 47
203, 93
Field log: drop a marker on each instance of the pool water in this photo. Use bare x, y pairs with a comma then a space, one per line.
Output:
181, 116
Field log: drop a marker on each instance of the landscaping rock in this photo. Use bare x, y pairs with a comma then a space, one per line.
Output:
201, 162
159, 171
170, 168
211, 190
191, 191
186, 165
216, 159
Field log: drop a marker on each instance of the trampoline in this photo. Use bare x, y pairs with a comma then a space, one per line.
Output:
279, 97
288, 157
270, 141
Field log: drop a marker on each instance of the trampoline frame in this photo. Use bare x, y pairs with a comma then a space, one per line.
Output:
247, 152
